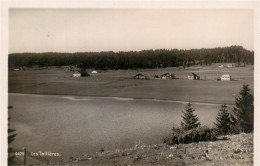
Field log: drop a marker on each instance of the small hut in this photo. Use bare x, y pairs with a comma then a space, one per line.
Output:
167, 76
140, 76
76, 74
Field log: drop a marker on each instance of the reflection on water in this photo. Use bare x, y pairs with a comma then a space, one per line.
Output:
76, 125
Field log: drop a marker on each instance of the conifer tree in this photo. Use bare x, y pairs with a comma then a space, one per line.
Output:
11, 138
223, 125
190, 120
244, 110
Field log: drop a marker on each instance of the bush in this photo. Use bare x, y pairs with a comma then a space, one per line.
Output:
199, 134
190, 130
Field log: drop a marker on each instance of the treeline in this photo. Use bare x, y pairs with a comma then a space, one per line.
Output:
240, 120
134, 59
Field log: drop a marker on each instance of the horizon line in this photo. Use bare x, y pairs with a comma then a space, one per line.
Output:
131, 50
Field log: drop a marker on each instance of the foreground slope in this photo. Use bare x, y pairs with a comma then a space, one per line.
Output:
237, 150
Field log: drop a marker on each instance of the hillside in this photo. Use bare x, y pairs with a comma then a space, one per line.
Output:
237, 150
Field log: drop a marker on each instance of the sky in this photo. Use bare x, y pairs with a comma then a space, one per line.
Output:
100, 29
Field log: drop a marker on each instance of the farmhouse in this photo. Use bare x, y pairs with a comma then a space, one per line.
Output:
140, 76
167, 76
76, 74
225, 77
193, 77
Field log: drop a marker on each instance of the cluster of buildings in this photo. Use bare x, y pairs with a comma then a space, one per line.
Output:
193, 76
79, 74
224, 77
232, 65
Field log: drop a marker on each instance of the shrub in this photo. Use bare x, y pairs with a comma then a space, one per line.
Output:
190, 130
199, 134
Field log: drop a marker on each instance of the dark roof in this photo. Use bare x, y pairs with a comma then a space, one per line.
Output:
167, 74
140, 75
195, 75
76, 72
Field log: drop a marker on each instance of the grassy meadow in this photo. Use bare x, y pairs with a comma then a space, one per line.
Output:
120, 83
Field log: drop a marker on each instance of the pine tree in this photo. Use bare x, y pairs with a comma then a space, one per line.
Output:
190, 121
11, 138
223, 125
244, 110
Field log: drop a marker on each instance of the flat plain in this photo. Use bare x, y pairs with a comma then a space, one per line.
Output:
120, 83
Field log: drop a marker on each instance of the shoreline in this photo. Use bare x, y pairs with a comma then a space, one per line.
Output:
117, 98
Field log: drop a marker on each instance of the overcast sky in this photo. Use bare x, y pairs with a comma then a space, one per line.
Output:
79, 30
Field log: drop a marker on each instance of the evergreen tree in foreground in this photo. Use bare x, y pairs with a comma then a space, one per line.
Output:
244, 110
190, 121
224, 123
11, 138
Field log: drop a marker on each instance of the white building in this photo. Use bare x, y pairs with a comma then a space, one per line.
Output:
94, 72
225, 77
191, 77
76, 74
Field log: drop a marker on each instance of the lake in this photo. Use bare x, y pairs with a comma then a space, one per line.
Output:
75, 125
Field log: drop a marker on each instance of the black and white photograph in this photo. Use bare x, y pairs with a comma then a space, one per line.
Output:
128, 86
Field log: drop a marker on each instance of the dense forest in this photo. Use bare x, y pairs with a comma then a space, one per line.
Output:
134, 59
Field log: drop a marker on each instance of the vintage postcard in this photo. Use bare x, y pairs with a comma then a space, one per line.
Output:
131, 84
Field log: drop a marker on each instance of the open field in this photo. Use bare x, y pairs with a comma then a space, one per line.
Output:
121, 84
